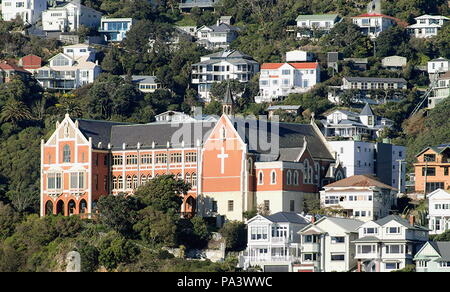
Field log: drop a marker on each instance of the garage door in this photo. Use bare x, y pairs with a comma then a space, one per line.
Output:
280, 268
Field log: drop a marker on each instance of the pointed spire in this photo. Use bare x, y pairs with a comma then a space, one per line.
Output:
228, 98
227, 103
367, 111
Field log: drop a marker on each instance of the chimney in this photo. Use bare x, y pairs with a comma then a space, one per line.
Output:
412, 220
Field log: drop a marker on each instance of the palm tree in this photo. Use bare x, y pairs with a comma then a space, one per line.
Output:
15, 111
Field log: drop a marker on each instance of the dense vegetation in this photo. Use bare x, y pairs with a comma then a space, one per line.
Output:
134, 241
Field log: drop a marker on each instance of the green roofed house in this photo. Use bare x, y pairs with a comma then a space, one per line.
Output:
323, 22
434, 256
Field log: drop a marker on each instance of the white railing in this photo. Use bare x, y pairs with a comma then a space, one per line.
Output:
256, 259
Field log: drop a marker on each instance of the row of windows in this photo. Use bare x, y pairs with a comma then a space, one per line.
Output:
54, 180
292, 177
160, 158
132, 182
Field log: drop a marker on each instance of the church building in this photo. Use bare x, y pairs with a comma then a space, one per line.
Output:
234, 164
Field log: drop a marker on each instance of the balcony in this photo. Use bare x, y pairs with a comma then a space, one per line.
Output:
311, 247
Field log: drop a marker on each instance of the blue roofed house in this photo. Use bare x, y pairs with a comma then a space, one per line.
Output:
434, 256
273, 241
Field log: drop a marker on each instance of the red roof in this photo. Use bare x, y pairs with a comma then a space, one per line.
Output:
8, 65
31, 62
310, 65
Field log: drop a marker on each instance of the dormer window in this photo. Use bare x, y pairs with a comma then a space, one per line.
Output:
393, 230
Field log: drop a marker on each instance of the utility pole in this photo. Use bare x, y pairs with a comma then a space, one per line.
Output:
425, 180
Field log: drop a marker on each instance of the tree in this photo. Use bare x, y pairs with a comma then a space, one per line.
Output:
235, 235
8, 219
15, 112
156, 227
114, 250
163, 193
119, 212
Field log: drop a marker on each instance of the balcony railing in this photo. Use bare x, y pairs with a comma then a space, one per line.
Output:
261, 259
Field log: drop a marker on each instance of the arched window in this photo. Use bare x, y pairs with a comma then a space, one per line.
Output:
83, 206
273, 177
223, 133
194, 180
66, 153
317, 172
115, 186
49, 208
72, 207
178, 176
306, 172
135, 182
288, 177
260, 178
129, 182
296, 177
143, 179
187, 177
60, 207
119, 182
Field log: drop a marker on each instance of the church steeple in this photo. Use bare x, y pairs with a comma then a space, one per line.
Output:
227, 103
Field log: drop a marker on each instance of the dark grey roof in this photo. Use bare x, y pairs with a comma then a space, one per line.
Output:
279, 136
283, 107
228, 54
160, 134
143, 79
100, 131
223, 27
372, 79
443, 248
287, 217
367, 239
400, 220
367, 111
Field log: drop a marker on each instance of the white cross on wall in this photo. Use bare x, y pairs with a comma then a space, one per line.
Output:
222, 157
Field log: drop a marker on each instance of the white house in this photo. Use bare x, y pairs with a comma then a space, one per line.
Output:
217, 36
363, 87
327, 245
145, 83
273, 242
29, 11
440, 91
69, 16
220, 66
322, 22
278, 80
115, 29
439, 211
388, 244
394, 62
433, 257
73, 68
343, 123
379, 159
361, 197
372, 24
427, 25
299, 56
439, 65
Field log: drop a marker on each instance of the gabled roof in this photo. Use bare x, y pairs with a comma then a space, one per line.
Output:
300, 66
100, 131
290, 135
443, 248
143, 79
399, 21
438, 149
160, 134
399, 220
10, 65
363, 180
287, 217
367, 111
317, 17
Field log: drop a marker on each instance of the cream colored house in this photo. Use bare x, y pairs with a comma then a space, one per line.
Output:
327, 245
